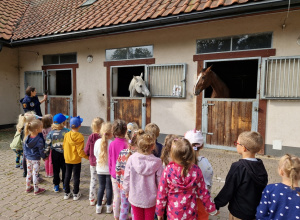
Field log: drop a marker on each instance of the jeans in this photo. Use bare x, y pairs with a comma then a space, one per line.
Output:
58, 162
104, 184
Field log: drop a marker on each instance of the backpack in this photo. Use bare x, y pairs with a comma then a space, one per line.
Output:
16, 143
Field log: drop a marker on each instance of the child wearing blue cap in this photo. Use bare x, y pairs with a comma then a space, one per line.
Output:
73, 152
54, 141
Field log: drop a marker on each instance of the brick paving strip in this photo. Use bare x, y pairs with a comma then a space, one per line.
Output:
16, 204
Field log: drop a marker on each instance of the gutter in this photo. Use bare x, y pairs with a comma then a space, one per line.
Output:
162, 22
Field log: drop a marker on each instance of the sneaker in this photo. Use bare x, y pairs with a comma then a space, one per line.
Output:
17, 165
98, 209
76, 196
29, 189
109, 209
21, 167
56, 188
41, 190
67, 195
93, 202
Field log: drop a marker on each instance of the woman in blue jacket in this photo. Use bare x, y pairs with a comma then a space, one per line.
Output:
31, 102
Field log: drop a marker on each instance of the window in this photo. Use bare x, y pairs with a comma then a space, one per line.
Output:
35, 79
60, 58
235, 43
281, 78
128, 53
167, 80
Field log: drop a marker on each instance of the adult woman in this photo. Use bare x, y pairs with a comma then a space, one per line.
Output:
31, 102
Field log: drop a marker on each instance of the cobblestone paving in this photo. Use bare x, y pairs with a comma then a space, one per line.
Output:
16, 204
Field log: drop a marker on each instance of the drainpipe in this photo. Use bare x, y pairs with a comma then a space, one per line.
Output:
188, 18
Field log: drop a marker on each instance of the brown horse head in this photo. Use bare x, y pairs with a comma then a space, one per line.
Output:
203, 81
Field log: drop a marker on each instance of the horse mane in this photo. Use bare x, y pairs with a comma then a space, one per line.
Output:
220, 89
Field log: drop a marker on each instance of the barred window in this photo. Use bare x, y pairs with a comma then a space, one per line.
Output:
35, 79
127, 53
281, 78
167, 80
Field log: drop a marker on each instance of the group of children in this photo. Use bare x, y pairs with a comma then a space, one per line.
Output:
170, 181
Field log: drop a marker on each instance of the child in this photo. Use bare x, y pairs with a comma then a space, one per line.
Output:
131, 127
181, 183
141, 178
34, 151
154, 129
89, 151
165, 155
47, 122
196, 140
17, 144
101, 154
54, 144
245, 180
119, 129
120, 169
282, 200
28, 117
73, 152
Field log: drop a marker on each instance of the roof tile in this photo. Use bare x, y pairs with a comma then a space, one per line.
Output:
20, 19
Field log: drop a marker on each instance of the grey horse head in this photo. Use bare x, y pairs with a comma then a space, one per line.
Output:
138, 86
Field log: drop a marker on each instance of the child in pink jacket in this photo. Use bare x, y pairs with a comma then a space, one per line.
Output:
141, 178
181, 184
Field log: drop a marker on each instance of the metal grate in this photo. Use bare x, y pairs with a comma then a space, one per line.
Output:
281, 78
35, 79
167, 80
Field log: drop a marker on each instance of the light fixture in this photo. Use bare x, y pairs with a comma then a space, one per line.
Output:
89, 58
298, 40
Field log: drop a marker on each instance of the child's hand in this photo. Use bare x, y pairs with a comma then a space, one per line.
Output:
159, 218
218, 212
127, 194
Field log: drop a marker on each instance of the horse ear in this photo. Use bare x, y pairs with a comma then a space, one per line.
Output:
209, 68
134, 77
141, 74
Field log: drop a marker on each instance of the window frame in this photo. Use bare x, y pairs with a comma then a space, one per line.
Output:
231, 42
59, 58
264, 82
127, 55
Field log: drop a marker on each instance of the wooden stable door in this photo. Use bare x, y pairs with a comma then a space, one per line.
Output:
226, 120
129, 110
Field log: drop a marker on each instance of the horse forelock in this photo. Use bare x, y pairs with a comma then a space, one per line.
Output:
199, 77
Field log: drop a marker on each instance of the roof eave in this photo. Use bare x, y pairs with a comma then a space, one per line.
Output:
206, 15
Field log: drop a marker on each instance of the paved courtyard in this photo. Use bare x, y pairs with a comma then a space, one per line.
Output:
16, 204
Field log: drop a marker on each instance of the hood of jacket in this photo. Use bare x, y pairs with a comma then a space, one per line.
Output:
32, 142
74, 138
256, 170
178, 181
145, 164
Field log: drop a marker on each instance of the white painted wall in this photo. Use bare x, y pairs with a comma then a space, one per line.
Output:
9, 86
175, 45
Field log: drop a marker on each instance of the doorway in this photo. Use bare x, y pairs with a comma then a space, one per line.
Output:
223, 119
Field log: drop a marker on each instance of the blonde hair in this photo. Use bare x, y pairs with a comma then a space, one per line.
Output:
96, 124
58, 126
119, 128
105, 132
167, 148
252, 140
145, 142
28, 117
290, 164
131, 127
31, 126
47, 121
183, 154
153, 128
133, 142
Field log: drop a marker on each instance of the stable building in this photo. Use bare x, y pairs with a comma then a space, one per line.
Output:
84, 53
